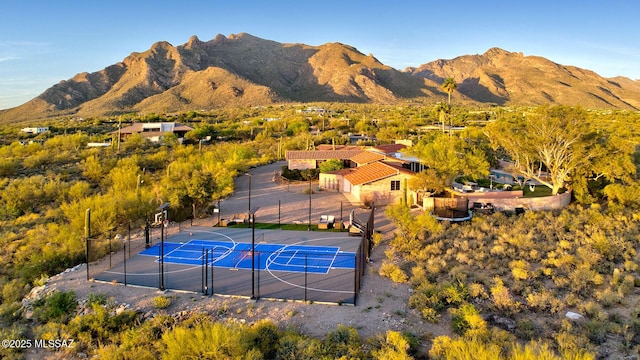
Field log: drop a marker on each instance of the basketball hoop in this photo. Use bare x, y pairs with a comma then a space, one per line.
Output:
166, 223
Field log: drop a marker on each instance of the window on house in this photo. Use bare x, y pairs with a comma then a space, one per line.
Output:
395, 185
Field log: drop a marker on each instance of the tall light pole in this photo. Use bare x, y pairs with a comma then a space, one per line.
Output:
252, 219
309, 228
162, 208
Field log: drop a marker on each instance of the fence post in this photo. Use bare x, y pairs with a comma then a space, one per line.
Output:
206, 272
212, 266
305, 277
87, 235
258, 286
124, 255
355, 279
110, 251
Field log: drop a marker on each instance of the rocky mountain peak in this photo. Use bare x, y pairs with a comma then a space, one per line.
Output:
244, 70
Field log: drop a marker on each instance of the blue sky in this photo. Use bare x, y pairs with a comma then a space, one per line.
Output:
45, 41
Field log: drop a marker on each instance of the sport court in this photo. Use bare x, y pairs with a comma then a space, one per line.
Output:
298, 265
270, 257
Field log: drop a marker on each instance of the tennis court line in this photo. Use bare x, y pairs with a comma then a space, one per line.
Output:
318, 259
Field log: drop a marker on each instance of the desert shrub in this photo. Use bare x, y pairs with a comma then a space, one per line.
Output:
445, 347
13, 332
430, 315
41, 280
477, 290
466, 318
394, 346
295, 346
99, 326
264, 336
544, 301
430, 298
626, 286
345, 342
143, 338
593, 310
14, 291
208, 340
526, 329
519, 269
392, 271
377, 239
596, 330
99, 299
583, 278
58, 306
502, 298
10, 311
161, 302
608, 297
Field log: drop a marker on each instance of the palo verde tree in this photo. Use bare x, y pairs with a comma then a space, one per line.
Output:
449, 157
547, 146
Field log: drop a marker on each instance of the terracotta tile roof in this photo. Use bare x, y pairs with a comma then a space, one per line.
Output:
338, 147
398, 166
371, 172
366, 157
181, 127
321, 154
389, 148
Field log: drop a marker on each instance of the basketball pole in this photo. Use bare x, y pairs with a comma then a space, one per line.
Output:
252, 218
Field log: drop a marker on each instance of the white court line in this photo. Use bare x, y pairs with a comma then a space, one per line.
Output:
291, 257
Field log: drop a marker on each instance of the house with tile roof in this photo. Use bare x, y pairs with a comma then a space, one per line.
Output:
381, 182
369, 173
310, 159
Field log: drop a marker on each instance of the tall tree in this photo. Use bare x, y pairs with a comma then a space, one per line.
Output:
450, 157
443, 111
449, 85
547, 147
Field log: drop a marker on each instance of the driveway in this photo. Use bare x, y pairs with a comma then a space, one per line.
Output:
288, 203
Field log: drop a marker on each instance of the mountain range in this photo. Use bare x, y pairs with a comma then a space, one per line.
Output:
244, 70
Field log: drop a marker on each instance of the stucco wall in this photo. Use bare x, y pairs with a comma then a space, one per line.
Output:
331, 182
503, 203
380, 191
302, 164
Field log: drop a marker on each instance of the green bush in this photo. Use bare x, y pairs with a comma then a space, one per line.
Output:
161, 302
93, 298
58, 306
466, 318
345, 342
14, 291
392, 271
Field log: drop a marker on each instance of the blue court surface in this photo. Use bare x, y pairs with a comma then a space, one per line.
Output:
271, 257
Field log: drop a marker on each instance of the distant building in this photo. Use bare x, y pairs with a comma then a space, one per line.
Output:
370, 173
35, 130
154, 131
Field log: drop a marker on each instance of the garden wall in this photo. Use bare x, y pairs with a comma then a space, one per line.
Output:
511, 200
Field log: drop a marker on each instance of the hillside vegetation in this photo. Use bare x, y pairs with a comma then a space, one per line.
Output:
502, 283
